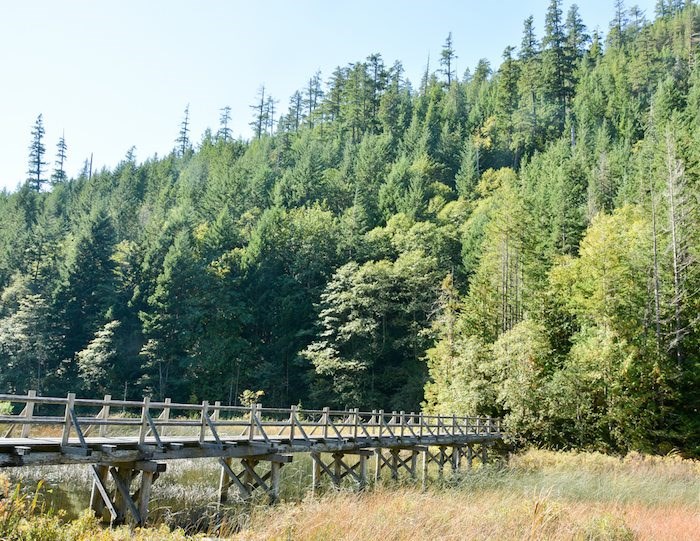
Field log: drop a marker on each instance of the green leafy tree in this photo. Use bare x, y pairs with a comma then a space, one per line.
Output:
96, 362
30, 348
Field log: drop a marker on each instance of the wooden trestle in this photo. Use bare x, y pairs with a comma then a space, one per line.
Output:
127, 453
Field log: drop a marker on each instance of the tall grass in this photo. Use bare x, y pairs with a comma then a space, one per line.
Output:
535, 495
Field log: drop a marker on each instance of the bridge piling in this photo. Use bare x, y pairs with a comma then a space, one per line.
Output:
338, 468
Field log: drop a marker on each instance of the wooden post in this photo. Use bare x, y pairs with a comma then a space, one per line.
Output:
203, 424
470, 457
292, 417
363, 471
104, 415
315, 473
248, 478
420, 425
251, 435
67, 419
144, 420
381, 422
165, 416
326, 420
28, 413
123, 476
424, 469
275, 468
144, 496
337, 469
402, 420
356, 419
96, 502
225, 481
394, 463
215, 414
484, 454
414, 461
456, 450
378, 464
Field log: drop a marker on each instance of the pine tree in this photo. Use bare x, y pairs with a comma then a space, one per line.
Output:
224, 132
313, 95
555, 65
618, 24
259, 121
183, 139
270, 115
447, 58
295, 114
508, 98
37, 150
530, 84
59, 174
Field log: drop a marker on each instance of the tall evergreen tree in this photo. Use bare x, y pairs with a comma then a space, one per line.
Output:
555, 63
37, 150
447, 58
224, 132
59, 174
183, 138
259, 122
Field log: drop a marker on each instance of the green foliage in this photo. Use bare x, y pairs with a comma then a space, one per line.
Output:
521, 241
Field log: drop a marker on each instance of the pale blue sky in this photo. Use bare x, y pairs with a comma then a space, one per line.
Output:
113, 74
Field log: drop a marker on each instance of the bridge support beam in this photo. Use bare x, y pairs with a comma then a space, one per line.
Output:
249, 478
120, 501
395, 461
338, 468
453, 455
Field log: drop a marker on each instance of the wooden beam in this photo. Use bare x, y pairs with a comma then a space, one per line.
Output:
144, 495
225, 478
99, 497
122, 478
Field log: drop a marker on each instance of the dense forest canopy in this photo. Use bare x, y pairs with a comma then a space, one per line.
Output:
519, 240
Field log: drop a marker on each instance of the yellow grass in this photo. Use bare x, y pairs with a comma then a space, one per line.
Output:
539, 495
411, 515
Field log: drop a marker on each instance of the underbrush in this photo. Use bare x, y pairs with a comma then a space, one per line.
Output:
537, 495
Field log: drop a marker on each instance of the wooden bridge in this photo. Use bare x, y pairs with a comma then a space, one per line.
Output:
129, 441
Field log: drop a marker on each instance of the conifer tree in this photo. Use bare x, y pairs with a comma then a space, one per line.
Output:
224, 132
447, 58
37, 150
59, 174
259, 122
555, 65
183, 139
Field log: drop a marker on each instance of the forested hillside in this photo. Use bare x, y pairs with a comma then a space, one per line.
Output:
519, 240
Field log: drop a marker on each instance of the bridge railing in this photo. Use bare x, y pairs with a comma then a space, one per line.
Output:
151, 422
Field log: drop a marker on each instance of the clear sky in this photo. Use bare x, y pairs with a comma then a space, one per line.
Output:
113, 74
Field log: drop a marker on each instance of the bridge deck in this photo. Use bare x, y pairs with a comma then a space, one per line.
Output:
46, 451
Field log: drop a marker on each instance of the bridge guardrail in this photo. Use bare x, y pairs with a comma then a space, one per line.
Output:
154, 419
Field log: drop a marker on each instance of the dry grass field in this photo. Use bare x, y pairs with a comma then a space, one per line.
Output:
538, 495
